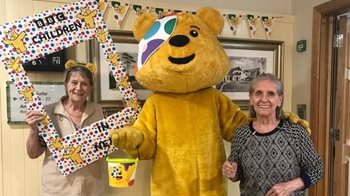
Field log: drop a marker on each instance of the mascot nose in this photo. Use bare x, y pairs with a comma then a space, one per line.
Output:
179, 40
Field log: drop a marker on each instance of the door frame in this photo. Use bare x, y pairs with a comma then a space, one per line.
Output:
320, 83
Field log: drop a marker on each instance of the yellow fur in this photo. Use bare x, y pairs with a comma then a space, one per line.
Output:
183, 123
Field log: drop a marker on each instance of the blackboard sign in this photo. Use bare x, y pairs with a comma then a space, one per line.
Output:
48, 92
52, 62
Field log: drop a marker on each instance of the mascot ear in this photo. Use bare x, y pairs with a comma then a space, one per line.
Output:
143, 24
212, 18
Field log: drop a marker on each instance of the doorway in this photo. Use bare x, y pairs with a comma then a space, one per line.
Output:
330, 105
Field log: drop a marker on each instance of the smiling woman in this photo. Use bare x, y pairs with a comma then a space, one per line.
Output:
248, 59
290, 169
69, 114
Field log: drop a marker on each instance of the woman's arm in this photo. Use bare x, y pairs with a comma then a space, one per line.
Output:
34, 149
310, 162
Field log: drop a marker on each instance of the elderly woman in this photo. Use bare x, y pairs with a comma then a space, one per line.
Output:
270, 156
69, 114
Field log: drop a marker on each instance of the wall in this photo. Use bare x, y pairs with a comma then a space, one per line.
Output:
20, 175
302, 61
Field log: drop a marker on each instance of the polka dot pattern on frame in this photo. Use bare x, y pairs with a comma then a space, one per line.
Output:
53, 30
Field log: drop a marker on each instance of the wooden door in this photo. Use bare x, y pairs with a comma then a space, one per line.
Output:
340, 102
330, 95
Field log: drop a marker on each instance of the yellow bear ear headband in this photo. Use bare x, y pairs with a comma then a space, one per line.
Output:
71, 63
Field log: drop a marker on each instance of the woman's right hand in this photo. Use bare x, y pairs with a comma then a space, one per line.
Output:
34, 144
229, 169
32, 117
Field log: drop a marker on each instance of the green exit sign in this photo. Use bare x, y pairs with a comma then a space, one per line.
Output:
301, 45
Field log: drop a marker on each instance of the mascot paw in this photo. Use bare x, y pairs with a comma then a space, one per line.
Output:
293, 118
127, 138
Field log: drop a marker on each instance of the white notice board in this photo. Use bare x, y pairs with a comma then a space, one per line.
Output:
48, 92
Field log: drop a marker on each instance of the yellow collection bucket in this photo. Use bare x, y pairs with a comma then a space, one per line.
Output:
121, 171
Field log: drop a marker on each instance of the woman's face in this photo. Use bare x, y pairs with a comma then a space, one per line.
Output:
78, 88
265, 99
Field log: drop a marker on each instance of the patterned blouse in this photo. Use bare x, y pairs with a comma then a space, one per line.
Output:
281, 155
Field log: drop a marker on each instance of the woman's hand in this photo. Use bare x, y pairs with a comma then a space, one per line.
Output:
34, 148
32, 117
285, 188
230, 170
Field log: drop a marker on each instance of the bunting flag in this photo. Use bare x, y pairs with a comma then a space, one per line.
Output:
189, 12
53, 30
267, 23
139, 9
161, 12
233, 22
253, 24
120, 9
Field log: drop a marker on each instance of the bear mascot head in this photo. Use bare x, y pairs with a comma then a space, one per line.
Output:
182, 125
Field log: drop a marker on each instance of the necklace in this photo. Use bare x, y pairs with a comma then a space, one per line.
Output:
77, 126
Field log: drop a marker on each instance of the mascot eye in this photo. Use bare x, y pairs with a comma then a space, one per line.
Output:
194, 33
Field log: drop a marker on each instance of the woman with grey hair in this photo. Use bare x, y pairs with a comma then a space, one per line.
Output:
69, 114
270, 156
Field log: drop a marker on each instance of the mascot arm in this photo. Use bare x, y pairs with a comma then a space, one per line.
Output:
230, 117
293, 118
139, 139
146, 123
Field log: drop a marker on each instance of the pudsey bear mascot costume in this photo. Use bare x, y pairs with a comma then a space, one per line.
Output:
183, 123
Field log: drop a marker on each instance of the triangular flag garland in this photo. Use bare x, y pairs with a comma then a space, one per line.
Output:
267, 23
253, 23
233, 20
120, 11
161, 12
139, 9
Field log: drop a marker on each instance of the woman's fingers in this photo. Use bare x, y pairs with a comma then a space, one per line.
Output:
229, 169
32, 117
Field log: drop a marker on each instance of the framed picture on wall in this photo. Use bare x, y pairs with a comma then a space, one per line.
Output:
249, 58
107, 92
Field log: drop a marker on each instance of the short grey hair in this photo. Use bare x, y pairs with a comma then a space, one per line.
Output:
83, 71
280, 92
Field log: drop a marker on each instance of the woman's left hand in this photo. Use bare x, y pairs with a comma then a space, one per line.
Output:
280, 189
285, 188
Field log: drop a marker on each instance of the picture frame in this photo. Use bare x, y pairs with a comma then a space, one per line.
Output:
107, 93
249, 50
249, 58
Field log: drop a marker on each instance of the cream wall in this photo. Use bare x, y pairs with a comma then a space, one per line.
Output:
302, 61
20, 175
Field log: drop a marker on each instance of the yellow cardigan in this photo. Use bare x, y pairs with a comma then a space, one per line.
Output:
184, 135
